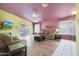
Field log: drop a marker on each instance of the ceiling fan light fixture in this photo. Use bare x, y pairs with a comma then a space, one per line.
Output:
35, 14
44, 5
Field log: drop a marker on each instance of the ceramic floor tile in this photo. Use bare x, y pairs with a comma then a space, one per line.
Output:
67, 48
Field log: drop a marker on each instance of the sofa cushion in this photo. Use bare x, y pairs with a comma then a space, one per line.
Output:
6, 39
2, 45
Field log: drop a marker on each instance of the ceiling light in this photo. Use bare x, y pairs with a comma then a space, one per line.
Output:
74, 12
35, 14
44, 5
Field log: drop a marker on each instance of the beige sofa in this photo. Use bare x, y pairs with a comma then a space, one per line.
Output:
4, 40
9, 45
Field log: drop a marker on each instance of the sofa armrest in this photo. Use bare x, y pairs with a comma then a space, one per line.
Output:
17, 44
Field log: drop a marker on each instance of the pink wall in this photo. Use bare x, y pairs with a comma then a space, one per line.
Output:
54, 24
68, 37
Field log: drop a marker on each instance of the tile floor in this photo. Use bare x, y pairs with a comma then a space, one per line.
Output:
65, 48
61, 47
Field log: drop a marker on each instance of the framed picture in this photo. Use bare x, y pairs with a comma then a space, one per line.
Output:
6, 25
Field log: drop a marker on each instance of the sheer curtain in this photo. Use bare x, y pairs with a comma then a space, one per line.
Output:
67, 27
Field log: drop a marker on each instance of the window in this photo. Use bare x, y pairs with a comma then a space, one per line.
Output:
67, 27
37, 28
